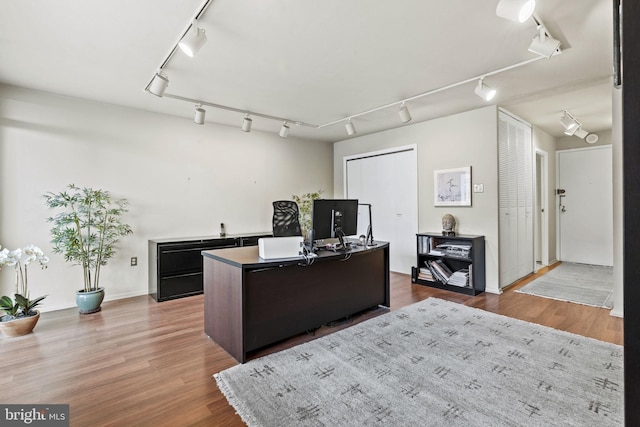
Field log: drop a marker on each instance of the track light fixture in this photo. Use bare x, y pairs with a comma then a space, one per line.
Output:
284, 130
159, 84
573, 127
351, 129
246, 123
404, 114
543, 44
199, 116
485, 92
569, 123
193, 40
516, 10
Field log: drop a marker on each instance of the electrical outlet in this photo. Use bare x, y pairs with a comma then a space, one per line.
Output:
478, 188
134, 261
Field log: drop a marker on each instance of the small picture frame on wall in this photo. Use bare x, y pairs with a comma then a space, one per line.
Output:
452, 187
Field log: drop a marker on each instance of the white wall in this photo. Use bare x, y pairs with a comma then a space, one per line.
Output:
466, 139
181, 179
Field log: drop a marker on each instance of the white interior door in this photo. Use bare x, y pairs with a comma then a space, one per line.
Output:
389, 182
585, 208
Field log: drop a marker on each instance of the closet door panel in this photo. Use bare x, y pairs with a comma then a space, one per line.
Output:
389, 183
515, 199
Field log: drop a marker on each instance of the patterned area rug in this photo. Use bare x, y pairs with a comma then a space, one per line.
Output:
433, 363
580, 283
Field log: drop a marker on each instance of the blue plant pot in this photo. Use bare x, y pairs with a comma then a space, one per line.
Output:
89, 302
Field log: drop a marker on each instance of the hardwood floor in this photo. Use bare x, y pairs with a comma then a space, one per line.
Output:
138, 362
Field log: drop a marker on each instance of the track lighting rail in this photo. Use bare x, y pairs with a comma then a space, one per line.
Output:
162, 81
238, 110
362, 113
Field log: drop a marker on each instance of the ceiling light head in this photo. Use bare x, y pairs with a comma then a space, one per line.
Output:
199, 116
246, 123
485, 92
569, 123
193, 40
284, 130
543, 44
159, 84
516, 10
351, 129
404, 114
571, 131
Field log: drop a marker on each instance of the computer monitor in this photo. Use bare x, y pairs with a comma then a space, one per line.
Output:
334, 218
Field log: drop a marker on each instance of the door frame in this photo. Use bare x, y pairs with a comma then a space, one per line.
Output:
542, 227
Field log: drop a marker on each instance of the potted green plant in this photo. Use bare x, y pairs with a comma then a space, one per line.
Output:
305, 206
20, 317
85, 231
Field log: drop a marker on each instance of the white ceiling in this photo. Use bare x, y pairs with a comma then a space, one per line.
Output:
315, 61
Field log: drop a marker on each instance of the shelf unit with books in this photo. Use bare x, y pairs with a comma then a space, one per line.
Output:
455, 263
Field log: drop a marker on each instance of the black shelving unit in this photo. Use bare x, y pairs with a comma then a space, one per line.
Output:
458, 253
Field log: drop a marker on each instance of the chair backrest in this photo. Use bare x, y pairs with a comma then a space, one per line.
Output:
286, 220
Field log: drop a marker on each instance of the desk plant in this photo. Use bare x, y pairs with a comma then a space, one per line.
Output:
85, 231
305, 206
20, 317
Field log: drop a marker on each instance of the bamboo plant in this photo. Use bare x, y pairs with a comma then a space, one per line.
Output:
87, 228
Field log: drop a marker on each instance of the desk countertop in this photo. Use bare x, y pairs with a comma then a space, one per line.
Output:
248, 256
201, 238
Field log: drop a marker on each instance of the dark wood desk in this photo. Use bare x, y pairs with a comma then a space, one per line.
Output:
251, 303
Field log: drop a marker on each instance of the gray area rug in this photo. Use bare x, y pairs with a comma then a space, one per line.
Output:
433, 363
580, 283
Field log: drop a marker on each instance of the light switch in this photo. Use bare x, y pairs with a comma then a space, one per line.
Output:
478, 188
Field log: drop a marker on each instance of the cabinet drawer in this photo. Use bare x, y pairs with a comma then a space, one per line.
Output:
186, 258
180, 286
251, 240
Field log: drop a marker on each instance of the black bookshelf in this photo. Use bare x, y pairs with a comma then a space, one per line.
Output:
440, 257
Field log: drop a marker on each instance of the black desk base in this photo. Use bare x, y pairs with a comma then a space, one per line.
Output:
251, 303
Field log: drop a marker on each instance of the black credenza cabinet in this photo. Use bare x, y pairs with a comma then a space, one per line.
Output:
175, 266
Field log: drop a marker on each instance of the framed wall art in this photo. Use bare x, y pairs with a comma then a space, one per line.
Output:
452, 187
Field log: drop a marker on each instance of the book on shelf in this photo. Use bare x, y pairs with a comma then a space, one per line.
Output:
459, 278
425, 274
454, 249
439, 270
424, 244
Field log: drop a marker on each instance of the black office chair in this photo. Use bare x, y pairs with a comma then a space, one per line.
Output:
286, 220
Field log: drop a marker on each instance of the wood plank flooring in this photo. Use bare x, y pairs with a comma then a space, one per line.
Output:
142, 363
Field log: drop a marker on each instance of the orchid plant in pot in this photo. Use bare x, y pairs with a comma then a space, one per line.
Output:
21, 316
85, 231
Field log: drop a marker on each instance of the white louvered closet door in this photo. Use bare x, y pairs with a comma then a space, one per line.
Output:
389, 182
515, 151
